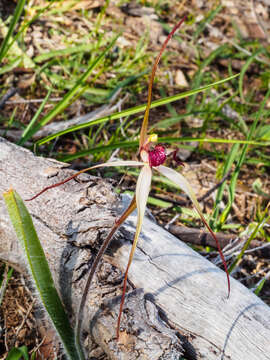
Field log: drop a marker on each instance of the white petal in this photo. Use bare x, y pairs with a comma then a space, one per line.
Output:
142, 192
179, 180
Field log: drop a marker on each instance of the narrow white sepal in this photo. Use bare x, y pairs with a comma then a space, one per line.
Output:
142, 191
182, 182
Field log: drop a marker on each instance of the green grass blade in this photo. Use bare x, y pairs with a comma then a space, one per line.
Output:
257, 188
13, 50
98, 149
135, 143
168, 122
26, 25
18, 353
69, 97
263, 133
212, 140
240, 162
201, 74
205, 21
40, 271
260, 224
4, 282
12, 64
227, 167
133, 110
244, 70
15, 19
33, 121
65, 52
169, 106
261, 284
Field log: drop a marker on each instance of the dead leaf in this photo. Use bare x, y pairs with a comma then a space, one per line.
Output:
26, 81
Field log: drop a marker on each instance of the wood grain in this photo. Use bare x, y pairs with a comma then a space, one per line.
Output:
180, 305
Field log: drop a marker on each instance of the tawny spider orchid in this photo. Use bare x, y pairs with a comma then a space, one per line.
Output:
152, 158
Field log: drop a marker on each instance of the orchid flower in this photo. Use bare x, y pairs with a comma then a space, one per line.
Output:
152, 157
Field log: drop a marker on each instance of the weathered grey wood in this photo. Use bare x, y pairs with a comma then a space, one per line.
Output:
187, 291
194, 293
71, 222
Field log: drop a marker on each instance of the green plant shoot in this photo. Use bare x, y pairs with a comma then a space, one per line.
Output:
40, 272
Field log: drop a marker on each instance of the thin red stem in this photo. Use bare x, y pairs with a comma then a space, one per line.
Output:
221, 255
58, 184
122, 303
123, 217
143, 133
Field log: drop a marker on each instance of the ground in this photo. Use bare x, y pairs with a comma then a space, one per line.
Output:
219, 38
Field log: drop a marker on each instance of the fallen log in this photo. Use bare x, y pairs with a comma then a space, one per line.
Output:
180, 306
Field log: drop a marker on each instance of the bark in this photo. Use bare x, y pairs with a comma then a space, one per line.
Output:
177, 303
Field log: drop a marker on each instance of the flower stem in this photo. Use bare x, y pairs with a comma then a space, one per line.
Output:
117, 224
143, 133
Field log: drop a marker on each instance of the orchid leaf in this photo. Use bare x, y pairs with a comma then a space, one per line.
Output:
40, 272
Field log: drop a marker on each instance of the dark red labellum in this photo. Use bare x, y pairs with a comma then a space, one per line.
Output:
157, 156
